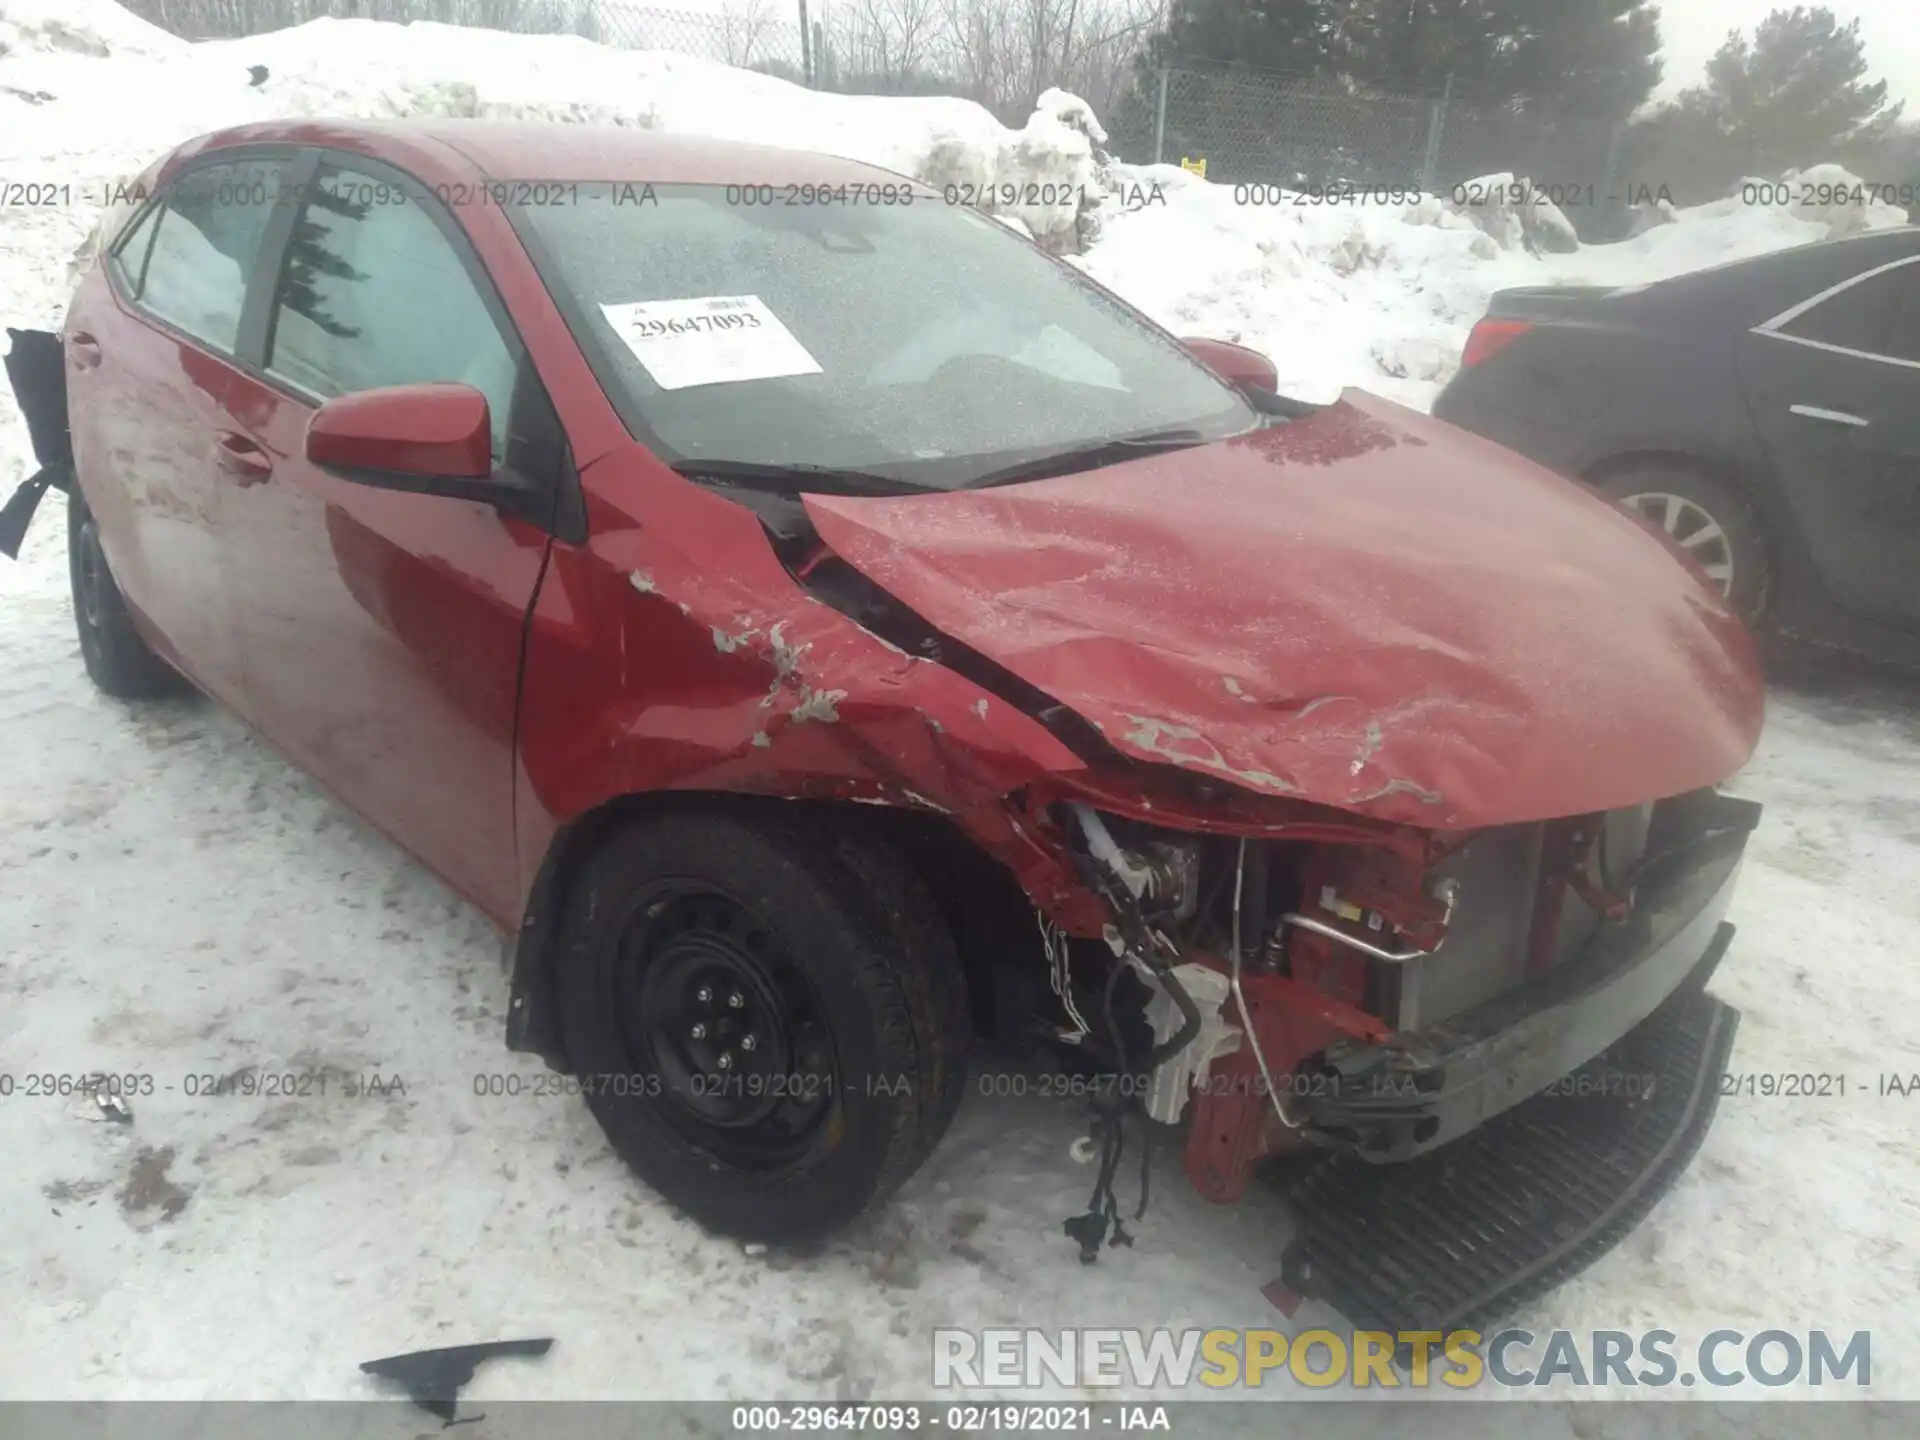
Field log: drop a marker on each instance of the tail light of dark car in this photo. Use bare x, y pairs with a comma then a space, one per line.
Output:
1489, 338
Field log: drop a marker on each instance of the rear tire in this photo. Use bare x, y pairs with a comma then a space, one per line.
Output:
1712, 521
117, 659
808, 955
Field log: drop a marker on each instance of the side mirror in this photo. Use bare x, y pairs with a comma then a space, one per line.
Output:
425, 434
1236, 364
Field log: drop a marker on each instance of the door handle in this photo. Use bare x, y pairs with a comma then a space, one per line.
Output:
242, 458
1832, 417
84, 349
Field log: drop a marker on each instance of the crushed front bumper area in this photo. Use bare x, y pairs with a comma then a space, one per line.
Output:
1486, 1159
1461, 1237
1400, 1098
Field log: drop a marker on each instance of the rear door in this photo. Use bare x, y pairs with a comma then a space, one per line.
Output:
1834, 387
380, 631
152, 378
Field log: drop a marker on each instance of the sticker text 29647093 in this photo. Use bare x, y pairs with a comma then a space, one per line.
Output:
709, 340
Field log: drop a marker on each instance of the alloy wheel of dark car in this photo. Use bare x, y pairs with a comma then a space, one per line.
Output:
1711, 521
765, 1012
1696, 532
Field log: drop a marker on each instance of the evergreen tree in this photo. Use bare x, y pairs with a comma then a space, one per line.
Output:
1796, 95
1594, 56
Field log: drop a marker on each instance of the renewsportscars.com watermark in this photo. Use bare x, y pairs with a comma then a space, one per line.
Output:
1163, 1359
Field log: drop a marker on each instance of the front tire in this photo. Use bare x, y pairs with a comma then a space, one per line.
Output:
1709, 519
766, 1014
117, 659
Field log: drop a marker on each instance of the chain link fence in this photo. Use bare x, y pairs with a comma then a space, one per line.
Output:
1249, 127
1315, 132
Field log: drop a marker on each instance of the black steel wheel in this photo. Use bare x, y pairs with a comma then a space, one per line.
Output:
117, 659
765, 1013
713, 1006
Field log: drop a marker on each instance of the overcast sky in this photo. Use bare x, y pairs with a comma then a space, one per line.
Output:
1693, 29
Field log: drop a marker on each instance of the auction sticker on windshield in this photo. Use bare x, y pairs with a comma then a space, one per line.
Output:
711, 340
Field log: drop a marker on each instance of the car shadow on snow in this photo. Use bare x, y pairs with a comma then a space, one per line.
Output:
1845, 690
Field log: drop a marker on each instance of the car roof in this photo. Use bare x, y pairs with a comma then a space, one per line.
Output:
447, 150
1779, 272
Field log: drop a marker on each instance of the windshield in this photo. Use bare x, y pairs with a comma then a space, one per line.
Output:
919, 341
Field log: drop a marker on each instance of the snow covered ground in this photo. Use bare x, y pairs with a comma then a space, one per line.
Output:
175, 901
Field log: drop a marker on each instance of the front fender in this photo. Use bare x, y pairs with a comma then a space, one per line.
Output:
674, 652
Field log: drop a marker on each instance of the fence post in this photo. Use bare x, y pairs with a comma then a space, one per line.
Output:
1614, 147
1160, 121
806, 47
1436, 127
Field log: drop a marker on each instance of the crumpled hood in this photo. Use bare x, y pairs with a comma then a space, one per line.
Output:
1366, 609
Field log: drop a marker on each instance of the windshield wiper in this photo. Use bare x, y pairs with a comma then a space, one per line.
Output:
1091, 457
797, 477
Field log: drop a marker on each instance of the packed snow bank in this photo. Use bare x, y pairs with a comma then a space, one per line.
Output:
80, 27
1383, 295
1380, 296
83, 128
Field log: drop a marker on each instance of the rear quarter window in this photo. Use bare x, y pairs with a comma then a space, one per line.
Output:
205, 242
1861, 317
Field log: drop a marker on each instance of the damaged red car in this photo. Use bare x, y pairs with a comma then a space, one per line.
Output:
825, 628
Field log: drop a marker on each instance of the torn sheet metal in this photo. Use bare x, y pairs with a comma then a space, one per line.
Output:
1417, 625
731, 677
433, 1378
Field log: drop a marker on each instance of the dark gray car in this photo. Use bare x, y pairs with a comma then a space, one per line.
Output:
1765, 413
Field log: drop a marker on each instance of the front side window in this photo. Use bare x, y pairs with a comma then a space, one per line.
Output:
373, 294
920, 341
1863, 316
190, 260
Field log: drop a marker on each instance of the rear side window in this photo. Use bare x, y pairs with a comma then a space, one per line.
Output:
373, 294
1862, 317
1903, 335
197, 252
129, 258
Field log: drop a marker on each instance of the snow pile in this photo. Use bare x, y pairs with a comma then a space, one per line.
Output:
1519, 214
1379, 296
1382, 295
80, 27
373, 69
1830, 196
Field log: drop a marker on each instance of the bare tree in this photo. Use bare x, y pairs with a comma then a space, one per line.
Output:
743, 26
886, 43
1002, 53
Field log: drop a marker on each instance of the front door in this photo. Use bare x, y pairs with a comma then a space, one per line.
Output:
380, 631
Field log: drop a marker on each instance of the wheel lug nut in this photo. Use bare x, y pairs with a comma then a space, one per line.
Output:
699, 1032
736, 1000
749, 1042
703, 994
725, 1062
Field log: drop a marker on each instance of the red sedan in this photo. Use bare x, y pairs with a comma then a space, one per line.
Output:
825, 627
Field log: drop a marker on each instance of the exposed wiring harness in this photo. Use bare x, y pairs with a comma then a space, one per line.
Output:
1115, 879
